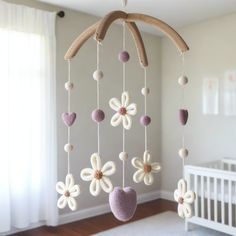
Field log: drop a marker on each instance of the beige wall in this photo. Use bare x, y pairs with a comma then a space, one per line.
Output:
84, 101
208, 137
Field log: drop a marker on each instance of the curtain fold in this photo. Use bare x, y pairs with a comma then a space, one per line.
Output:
28, 166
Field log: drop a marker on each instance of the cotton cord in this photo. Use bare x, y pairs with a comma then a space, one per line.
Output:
124, 87
145, 107
69, 109
98, 96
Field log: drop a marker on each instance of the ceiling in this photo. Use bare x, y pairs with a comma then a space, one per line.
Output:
177, 13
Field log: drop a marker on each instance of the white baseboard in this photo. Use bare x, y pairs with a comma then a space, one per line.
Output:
167, 195
102, 209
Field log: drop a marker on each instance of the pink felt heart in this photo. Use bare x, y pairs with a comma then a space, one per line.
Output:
69, 118
123, 203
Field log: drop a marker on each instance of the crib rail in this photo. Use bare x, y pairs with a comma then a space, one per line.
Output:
215, 187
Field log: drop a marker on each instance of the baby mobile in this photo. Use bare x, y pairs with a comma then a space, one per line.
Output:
123, 200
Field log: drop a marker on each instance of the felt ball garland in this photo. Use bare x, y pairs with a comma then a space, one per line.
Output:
98, 174
68, 190
183, 196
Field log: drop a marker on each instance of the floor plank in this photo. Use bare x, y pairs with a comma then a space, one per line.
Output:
100, 223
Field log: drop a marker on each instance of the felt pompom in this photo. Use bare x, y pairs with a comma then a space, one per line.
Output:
124, 56
123, 203
69, 118
98, 115
183, 116
123, 156
68, 147
183, 152
69, 85
183, 80
97, 75
145, 91
145, 120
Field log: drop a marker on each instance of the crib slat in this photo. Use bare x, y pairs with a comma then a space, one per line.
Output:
196, 192
222, 202
215, 200
202, 197
230, 202
208, 199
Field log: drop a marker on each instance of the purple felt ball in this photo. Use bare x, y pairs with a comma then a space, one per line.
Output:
124, 56
145, 120
98, 115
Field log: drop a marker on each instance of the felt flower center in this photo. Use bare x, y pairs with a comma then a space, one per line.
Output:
123, 111
98, 174
67, 194
147, 168
180, 200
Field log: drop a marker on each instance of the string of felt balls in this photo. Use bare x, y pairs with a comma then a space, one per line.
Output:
68, 190
182, 194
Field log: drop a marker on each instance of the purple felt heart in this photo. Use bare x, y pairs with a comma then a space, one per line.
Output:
69, 118
123, 203
183, 116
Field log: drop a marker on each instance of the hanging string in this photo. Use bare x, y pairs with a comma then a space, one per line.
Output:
124, 85
98, 96
145, 107
69, 108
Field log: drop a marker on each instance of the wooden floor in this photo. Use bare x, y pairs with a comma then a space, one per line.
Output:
100, 223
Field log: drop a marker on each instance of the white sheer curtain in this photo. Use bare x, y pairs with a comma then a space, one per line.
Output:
28, 168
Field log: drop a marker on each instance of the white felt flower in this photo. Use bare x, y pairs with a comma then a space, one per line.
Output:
145, 169
184, 198
98, 175
69, 191
124, 111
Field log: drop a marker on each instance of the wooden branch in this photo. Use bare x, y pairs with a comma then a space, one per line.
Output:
163, 27
132, 17
138, 43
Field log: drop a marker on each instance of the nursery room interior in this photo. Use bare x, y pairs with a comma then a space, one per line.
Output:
118, 117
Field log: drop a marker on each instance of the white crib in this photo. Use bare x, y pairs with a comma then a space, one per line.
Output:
215, 186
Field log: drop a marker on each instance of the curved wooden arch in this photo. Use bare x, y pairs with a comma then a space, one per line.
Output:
131, 17
89, 32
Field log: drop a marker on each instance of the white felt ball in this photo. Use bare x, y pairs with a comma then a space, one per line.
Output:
97, 75
183, 80
69, 85
183, 152
145, 91
123, 156
68, 147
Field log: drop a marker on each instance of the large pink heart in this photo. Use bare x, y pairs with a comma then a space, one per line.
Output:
123, 203
69, 118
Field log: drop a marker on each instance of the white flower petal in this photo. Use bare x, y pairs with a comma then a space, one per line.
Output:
75, 191
138, 176
181, 210
189, 197
155, 167
70, 182
106, 184
60, 187
72, 203
182, 186
187, 210
116, 119
95, 187
109, 168
137, 163
177, 195
87, 174
96, 161
115, 104
127, 121
125, 99
148, 179
146, 157
132, 109
61, 202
